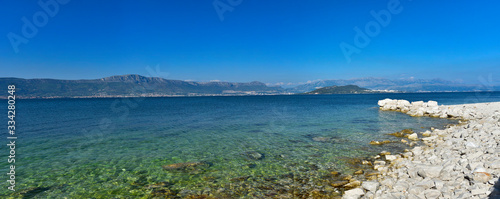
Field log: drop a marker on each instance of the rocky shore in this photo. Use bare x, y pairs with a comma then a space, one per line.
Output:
461, 161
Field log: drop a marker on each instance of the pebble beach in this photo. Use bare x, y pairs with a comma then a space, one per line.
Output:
460, 161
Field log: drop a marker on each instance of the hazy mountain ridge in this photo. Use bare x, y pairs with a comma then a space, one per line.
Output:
404, 85
137, 85
130, 85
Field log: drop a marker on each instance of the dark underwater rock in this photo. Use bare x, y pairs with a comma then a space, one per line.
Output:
185, 165
339, 183
242, 178
163, 193
380, 142
252, 166
402, 133
32, 191
158, 185
253, 155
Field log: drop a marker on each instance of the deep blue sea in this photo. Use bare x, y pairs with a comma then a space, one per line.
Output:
248, 146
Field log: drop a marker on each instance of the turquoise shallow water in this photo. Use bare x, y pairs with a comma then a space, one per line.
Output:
115, 148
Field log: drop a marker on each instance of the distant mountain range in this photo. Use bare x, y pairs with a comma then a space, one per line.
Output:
403, 85
131, 86
136, 85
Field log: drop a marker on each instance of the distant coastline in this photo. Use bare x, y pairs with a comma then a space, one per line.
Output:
227, 95
127, 86
138, 96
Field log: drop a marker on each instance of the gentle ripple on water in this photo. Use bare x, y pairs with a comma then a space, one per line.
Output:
91, 148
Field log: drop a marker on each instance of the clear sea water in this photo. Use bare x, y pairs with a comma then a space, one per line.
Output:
115, 148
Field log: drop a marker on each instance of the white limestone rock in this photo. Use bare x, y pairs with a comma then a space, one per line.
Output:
432, 103
458, 162
432, 194
391, 157
383, 102
413, 136
429, 171
370, 185
353, 193
401, 186
417, 104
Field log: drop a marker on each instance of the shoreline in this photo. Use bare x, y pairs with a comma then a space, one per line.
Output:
460, 161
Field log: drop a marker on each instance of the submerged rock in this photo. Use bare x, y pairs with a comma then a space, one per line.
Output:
163, 193
407, 131
199, 196
379, 142
402, 133
184, 165
253, 155
353, 184
397, 134
32, 191
241, 178
251, 166
327, 139
339, 183
158, 185
335, 173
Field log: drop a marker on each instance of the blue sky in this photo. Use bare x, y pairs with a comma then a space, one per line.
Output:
268, 41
